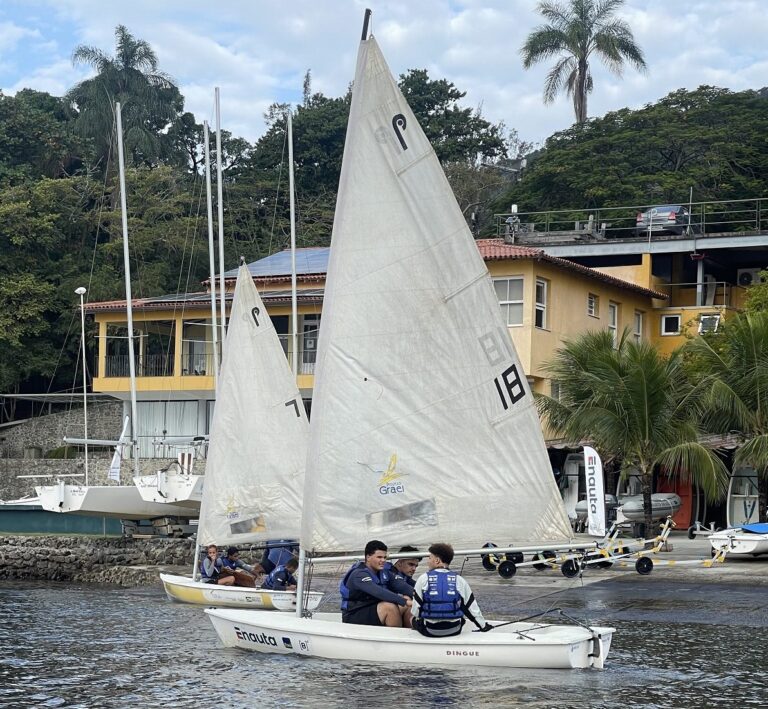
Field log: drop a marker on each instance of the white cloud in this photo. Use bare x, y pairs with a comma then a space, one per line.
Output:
258, 52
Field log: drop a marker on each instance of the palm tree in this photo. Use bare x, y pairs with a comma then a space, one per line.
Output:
577, 31
633, 404
149, 99
733, 365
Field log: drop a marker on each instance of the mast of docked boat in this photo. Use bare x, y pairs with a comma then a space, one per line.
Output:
211, 254
294, 300
129, 303
220, 207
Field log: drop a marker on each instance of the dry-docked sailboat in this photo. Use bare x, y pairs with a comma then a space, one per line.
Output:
424, 426
255, 467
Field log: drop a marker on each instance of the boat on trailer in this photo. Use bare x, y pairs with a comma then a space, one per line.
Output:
423, 420
663, 504
747, 540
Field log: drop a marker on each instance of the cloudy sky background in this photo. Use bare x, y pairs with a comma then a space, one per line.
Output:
257, 51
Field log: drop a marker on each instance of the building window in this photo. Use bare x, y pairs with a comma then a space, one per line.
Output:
638, 332
540, 319
670, 325
593, 305
708, 323
509, 292
613, 322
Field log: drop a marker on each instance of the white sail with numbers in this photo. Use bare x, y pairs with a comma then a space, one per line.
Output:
255, 468
424, 426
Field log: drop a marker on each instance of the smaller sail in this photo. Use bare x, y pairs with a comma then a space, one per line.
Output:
117, 458
255, 466
593, 471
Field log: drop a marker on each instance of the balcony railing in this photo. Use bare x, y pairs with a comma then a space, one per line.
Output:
197, 365
741, 216
705, 294
146, 366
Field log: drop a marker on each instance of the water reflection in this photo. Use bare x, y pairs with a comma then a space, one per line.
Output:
86, 646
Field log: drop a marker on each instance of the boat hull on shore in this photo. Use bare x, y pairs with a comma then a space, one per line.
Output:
119, 501
185, 590
525, 645
749, 540
161, 488
663, 504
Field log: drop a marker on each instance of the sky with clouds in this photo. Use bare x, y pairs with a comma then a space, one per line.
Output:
257, 51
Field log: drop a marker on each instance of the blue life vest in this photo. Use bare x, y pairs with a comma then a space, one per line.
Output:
381, 579
269, 582
442, 600
216, 567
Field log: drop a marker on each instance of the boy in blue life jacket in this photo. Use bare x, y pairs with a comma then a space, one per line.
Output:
277, 553
282, 577
372, 595
442, 599
405, 568
242, 573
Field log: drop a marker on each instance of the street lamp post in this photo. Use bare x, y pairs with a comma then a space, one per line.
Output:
81, 292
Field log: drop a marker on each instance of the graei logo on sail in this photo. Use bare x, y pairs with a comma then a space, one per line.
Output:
261, 639
389, 481
592, 484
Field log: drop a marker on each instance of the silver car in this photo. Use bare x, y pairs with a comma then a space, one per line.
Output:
665, 219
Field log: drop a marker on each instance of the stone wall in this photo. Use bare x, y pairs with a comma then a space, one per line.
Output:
105, 421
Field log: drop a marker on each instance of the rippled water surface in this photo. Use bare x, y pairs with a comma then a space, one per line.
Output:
677, 645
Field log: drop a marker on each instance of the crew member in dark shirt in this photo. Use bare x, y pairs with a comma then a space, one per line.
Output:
373, 595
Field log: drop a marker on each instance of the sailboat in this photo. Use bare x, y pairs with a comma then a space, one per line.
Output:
119, 501
424, 427
255, 466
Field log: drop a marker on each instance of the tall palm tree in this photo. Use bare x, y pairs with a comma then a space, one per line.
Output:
733, 364
149, 99
575, 32
634, 404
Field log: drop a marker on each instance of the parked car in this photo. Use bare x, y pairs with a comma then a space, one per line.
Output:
665, 219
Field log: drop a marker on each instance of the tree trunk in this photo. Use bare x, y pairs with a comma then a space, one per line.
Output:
646, 481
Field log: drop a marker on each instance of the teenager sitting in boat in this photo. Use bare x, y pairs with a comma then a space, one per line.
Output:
212, 567
277, 553
372, 595
243, 574
404, 569
282, 578
442, 599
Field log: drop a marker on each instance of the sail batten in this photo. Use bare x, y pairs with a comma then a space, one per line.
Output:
255, 466
424, 426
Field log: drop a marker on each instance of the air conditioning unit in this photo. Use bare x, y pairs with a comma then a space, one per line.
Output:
748, 276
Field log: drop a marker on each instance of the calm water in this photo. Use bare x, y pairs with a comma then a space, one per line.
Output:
685, 646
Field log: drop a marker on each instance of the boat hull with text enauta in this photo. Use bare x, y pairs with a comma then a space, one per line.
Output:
522, 644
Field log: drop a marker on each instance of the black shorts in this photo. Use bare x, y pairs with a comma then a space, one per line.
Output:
365, 615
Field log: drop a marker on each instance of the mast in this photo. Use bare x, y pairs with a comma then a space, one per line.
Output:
211, 253
220, 206
127, 263
81, 292
294, 303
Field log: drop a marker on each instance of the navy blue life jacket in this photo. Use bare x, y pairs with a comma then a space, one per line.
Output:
442, 600
216, 572
381, 579
271, 580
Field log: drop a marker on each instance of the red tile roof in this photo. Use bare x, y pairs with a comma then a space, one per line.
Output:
498, 250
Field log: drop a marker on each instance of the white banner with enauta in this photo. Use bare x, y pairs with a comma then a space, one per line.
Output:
593, 471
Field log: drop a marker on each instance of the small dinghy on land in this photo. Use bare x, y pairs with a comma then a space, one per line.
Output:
663, 504
423, 421
747, 540
255, 466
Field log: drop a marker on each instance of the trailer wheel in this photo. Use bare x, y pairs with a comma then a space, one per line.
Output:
692, 532
570, 568
490, 561
543, 555
516, 556
644, 566
507, 569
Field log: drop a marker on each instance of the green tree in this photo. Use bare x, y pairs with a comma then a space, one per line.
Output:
634, 404
150, 101
733, 366
576, 32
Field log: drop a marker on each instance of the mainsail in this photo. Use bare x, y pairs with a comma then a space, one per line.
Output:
255, 468
424, 427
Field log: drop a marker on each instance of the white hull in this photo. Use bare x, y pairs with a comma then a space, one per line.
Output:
739, 543
120, 501
164, 488
662, 505
540, 646
185, 590
742, 497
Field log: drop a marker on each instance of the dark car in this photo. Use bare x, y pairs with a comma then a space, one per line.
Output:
665, 219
